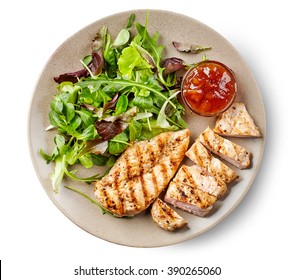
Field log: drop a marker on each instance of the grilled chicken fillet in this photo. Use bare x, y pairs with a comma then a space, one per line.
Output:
237, 122
203, 158
166, 217
226, 149
141, 173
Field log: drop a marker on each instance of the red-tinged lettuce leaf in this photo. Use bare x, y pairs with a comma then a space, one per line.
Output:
95, 67
72, 76
111, 104
172, 65
108, 130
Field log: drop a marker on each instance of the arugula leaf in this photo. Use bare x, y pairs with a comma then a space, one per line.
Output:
143, 102
90, 179
150, 44
104, 211
121, 84
130, 21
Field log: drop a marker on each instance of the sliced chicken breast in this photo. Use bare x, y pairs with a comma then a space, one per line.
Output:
194, 191
237, 122
199, 178
189, 198
141, 173
166, 217
226, 149
203, 158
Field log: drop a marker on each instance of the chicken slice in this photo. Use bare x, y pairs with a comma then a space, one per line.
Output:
189, 198
166, 217
196, 176
203, 158
141, 173
237, 122
194, 191
226, 149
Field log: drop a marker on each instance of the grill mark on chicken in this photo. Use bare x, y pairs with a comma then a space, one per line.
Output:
188, 179
128, 166
152, 158
164, 171
200, 160
154, 181
132, 195
127, 161
139, 157
144, 190
118, 205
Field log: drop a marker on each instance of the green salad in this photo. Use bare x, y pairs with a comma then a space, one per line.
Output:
126, 91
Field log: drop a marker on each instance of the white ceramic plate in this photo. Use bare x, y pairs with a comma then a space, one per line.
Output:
141, 231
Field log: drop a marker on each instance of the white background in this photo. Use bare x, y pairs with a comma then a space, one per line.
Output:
38, 242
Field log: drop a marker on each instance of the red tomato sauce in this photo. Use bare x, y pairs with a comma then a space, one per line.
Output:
209, 88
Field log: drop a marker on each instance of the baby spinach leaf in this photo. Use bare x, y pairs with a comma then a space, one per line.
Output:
57, 106
135, 128
86, 117
75, 122
88, 134
118, 144
69, 111
86, 161
122, 38
121, 105
99, 160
